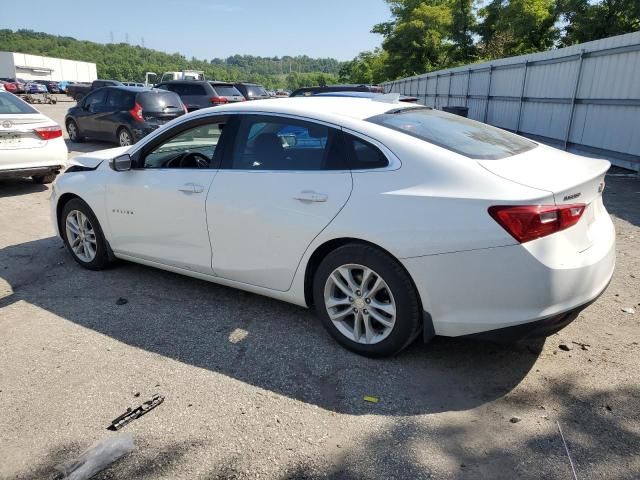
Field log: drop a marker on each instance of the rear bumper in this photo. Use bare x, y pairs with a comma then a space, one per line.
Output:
30, 172
536, 286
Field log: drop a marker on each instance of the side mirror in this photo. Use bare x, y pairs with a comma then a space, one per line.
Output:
121, 163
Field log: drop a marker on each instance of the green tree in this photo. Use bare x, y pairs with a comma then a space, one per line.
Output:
515, 27
586, 21
418, 38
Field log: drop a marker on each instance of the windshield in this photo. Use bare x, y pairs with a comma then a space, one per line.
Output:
9, 103
467, 137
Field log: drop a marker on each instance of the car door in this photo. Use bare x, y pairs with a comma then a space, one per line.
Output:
91, 107
156, 211
107, 118
282, 181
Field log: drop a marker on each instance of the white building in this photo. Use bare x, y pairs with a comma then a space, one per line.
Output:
35, 67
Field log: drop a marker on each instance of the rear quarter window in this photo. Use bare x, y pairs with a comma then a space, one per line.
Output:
226, 91
363, 155
472, 139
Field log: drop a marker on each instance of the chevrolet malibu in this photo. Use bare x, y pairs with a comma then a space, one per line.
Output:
392, 220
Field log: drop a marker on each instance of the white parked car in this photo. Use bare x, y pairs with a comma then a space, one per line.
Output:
31, 144
391, 219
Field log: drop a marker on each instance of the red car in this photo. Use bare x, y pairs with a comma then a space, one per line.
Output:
10, 86
19, 84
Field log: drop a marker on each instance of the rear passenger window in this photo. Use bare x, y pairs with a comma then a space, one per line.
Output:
119, 100
185, 89
279, 143
364, 155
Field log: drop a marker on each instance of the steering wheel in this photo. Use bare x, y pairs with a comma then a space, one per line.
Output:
201, 161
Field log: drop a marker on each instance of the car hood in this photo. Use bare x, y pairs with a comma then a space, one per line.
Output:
96, 158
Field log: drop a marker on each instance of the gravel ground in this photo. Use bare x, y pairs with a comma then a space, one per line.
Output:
256, 389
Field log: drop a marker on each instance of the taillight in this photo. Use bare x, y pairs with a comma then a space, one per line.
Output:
528, 222
48, 133
136, 112
218, 100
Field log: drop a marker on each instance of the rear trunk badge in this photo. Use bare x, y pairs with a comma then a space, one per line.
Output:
571, 197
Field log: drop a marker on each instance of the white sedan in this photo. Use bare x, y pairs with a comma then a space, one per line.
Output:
31, 144
392, 220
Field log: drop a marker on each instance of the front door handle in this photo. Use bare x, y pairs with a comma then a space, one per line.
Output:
191, 188
311, 196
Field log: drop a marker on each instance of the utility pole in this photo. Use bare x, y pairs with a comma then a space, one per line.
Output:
126, 38
111, 36
142, 40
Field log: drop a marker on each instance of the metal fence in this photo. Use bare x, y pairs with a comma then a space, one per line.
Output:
583, 98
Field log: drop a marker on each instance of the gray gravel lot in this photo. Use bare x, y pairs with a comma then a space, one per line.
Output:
256, 389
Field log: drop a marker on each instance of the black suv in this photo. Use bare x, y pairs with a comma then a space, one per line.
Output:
196, 94
251, 91
121, 114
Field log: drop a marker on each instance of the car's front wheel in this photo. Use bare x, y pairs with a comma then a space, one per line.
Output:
366, 300
83, 236
74, 132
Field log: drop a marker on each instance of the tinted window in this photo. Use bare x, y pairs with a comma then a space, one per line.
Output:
163, 87
469, 138
363, 154
188, 89
95, 99
226, 90
256, 91
9, 103
119, 100
277, 143
159, 101
192, 148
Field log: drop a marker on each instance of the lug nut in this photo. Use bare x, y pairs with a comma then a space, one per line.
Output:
355, 310
351, 299
358, 293
367, 300
365, 311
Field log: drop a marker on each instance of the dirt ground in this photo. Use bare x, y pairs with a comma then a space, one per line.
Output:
256, 389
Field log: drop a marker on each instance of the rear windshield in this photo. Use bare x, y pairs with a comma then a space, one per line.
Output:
256, 91
9, 103
187, 89
467, 137
158, 101
226, 90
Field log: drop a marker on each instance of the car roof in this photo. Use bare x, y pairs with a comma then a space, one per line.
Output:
190, 82
329, 109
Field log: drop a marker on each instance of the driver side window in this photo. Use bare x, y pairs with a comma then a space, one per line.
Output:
192, 148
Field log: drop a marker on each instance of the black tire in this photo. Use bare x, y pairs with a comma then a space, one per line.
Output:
42, 179
74, 132
101, 259
124, 132
408, 321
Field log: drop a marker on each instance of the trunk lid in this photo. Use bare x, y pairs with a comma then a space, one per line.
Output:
570, 178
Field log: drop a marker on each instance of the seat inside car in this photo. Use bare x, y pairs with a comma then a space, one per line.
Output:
269, 148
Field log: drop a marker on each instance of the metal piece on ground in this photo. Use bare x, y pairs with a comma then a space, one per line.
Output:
137, 412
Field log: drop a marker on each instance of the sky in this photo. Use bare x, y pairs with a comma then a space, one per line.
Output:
213, 28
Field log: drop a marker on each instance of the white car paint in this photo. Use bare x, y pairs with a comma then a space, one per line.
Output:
21, 148
428, 209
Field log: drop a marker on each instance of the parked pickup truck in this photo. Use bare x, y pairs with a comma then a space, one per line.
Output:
78, 90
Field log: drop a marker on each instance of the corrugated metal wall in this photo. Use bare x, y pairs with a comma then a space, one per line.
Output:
584, 98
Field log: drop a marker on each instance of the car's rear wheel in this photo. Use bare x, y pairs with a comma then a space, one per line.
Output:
83, 236
125, 138
366, 300
41, 179
74, 132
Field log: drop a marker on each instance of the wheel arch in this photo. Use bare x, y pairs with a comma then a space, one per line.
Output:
62, 201
329, 246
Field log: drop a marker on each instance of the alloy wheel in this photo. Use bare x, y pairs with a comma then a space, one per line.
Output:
81, 236
125, 138
73, 131
360, 304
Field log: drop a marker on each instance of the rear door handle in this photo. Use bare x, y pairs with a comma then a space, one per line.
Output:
311, 196
191, 188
